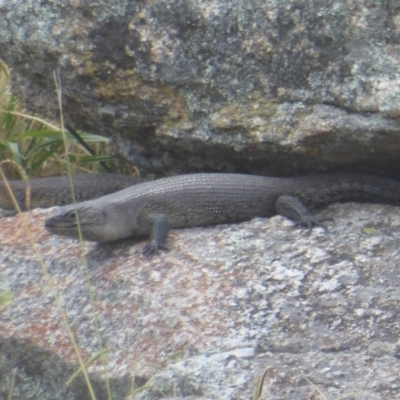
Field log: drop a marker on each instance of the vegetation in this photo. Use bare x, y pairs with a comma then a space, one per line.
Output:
37, 146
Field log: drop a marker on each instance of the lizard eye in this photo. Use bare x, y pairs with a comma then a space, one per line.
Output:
71, 216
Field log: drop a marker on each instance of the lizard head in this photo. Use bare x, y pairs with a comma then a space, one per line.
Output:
68, 220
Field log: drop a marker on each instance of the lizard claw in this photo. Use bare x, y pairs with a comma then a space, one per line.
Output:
152, 248
309, 221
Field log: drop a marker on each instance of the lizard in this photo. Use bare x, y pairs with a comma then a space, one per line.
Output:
151, 208
56, 191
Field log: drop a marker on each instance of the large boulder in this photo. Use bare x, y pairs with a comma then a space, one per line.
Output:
183, 85
318, 312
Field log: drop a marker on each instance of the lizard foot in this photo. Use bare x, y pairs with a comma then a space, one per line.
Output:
310, 221
294, 209
152, 248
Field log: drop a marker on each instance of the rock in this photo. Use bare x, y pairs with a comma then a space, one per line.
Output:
316, 311
267, 87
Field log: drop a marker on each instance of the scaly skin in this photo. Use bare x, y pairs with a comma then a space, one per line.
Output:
56, 191
152, 208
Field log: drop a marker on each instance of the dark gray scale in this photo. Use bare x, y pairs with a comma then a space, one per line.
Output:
56, 191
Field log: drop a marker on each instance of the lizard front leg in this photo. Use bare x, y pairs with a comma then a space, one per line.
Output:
158, 235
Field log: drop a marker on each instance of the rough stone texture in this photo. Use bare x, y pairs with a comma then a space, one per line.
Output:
184, 85
204, 320
39, 374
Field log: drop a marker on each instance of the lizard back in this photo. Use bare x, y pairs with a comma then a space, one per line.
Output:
204, 199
